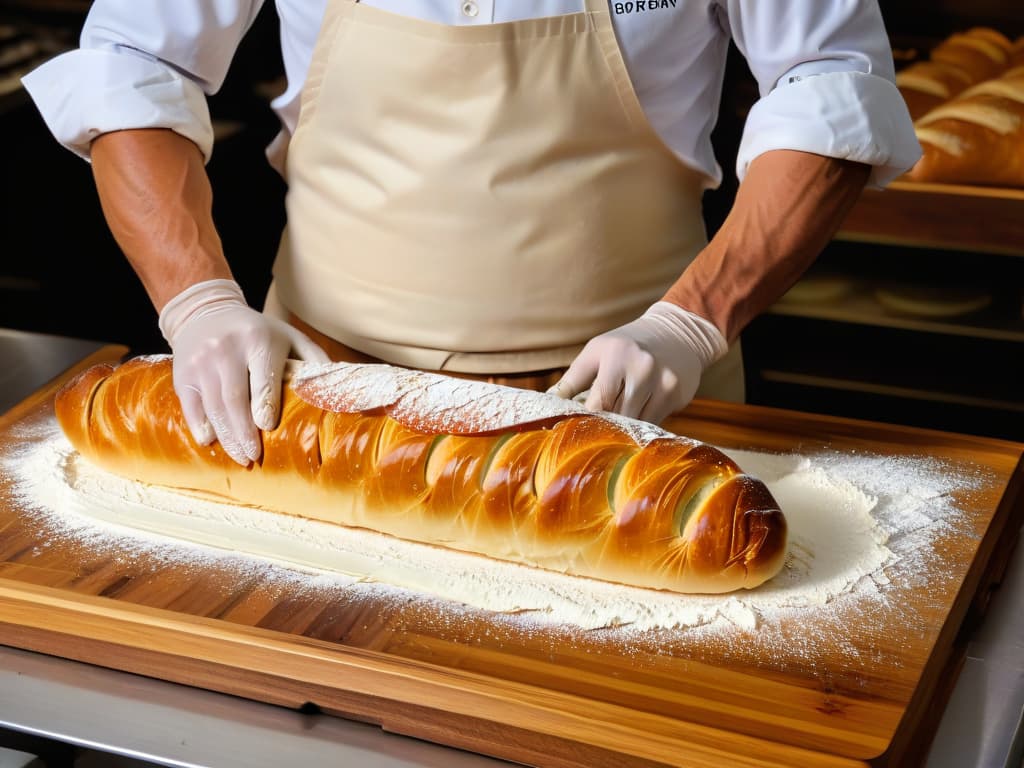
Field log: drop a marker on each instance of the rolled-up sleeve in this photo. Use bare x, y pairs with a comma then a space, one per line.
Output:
141, 64
827, 84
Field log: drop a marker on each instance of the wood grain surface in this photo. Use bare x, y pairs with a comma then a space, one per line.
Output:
545, 695
945, 216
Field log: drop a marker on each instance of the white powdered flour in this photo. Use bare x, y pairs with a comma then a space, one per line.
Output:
851, 518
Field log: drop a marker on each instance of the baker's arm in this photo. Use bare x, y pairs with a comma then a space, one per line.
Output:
228, 358
786, 210
829, 119
132, 98
157, 200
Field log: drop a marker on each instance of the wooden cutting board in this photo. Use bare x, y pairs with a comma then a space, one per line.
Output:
550, 696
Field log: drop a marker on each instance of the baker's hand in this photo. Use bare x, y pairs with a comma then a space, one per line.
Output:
648, 368
229, 364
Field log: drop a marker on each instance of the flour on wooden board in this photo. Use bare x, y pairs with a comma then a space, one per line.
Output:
850, 516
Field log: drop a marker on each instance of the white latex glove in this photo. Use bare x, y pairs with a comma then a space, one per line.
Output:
648, 368
229, 364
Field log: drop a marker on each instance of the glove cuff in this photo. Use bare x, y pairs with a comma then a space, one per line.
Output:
704, 337
197, 299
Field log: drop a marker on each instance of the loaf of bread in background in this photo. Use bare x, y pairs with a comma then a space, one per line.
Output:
958, 62
927, 84
981, 52
976, 138
492, 470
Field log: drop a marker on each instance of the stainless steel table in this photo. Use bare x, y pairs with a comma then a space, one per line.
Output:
169, 724
30, 360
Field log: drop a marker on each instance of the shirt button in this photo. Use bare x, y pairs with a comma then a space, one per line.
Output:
469, 8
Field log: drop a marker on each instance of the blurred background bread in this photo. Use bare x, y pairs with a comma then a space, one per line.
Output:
958, 62
977, 137
981, 52
927, 84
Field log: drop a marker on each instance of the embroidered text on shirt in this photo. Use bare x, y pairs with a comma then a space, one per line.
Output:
642, 5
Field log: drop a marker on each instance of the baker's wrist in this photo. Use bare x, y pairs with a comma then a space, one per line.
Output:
196, 299
703, 336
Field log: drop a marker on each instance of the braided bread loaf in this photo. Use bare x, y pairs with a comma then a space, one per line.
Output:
502, 472
976, 138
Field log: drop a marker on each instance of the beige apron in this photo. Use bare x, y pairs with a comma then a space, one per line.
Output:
479, 199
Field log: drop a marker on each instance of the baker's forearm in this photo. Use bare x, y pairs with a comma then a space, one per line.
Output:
157, 200
787, 209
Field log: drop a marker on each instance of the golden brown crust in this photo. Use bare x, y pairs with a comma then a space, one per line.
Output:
919, 103
927, 84
994, 36
577, 495
74, 402
961, 60
976, 52
977, 138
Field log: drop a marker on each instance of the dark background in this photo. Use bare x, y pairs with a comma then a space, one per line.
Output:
60, 270
62, 273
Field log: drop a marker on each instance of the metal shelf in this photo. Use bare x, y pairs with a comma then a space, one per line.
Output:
860, 308
888, 390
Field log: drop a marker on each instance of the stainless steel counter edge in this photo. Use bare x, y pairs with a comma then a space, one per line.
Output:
175, 725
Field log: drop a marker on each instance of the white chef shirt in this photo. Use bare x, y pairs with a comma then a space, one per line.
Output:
824, 70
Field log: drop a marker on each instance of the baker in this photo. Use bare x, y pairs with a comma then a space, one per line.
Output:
495, 188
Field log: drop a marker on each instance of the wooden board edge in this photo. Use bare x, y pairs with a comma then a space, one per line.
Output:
400, 695
924, 711
762, 417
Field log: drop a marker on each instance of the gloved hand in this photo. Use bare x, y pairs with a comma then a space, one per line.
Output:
648, 368
229, 364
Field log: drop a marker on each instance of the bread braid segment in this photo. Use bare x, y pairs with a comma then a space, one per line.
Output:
541, 482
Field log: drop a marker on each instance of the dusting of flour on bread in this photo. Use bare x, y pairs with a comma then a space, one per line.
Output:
433, 402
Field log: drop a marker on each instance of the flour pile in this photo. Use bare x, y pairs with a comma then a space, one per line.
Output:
851, 518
